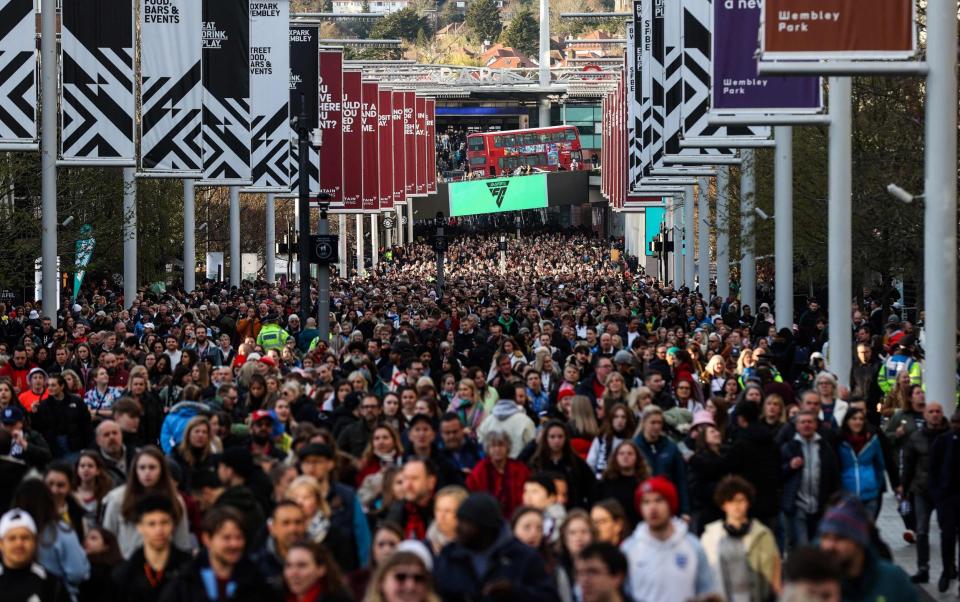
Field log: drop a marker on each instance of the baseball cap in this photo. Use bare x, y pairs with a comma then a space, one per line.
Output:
17, 519
11, 415
260, 415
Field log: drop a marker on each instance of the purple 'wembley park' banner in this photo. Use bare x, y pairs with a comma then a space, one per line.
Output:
736, 86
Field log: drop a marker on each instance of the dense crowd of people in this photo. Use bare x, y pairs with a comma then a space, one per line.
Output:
451, 147
551, 424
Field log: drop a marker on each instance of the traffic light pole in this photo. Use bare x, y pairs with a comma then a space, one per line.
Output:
304, 206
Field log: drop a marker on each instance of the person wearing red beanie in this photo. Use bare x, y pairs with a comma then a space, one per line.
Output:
665, 561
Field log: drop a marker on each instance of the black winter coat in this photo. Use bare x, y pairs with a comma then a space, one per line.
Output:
130, 584
755, 456
64, 423
829, 474
510, 563
188, 585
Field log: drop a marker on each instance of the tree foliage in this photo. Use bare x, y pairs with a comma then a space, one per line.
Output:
404, 24
522, 33
483, 18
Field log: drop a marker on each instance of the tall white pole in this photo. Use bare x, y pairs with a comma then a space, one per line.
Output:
235, 258
748, 261
676, 212
270, 255
839, 228
703, 236
189, 237
343, 244
129, 235
940, 209
723, 233
409, 221
400, 224
689, 259
50, 287
783, 226
374, 239
544, 67
359, 217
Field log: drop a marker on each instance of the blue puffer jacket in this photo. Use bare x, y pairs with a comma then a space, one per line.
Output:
176, 422
862, 474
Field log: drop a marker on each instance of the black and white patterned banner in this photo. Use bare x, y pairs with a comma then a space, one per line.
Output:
304, 88
171, 89
697, 66
226, 92
673, 90
269, 97
18, 74
97, 107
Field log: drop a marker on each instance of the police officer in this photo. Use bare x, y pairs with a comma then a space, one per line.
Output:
272, 336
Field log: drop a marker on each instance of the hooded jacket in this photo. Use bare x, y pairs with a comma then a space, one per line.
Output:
674, 570
508, 417
862, 473
755, 457
507, 561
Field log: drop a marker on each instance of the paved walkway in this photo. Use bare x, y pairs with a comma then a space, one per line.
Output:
905, 555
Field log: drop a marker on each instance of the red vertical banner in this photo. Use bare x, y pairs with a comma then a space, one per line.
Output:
385, 146
399, 153
370, 196
352, 142
603, 146
330, 124
421, 115
409, 145
431, 145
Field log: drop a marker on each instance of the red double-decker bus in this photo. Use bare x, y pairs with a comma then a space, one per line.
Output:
547, 149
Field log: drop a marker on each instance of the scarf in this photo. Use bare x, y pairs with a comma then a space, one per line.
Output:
857, 441
414, 528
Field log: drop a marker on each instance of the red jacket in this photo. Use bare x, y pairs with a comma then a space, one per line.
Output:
484, 477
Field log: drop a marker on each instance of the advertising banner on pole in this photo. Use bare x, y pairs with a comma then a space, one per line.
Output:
837, 29
331, 128
370, 190
226, 92
18, 74
421, 132
399, 148
674, 86
171, 87
269, 95
735, 86
352, 141
431, 145
385, 147
698, 58
304, 91
409, 144
97, 77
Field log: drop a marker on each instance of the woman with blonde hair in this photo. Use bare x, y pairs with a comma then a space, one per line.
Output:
615, 391
306, 492
583, 425
832, 407
467, 405
714, 375
549, 370
899, 396
403, 577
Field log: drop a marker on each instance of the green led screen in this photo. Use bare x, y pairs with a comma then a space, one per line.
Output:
496, 195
